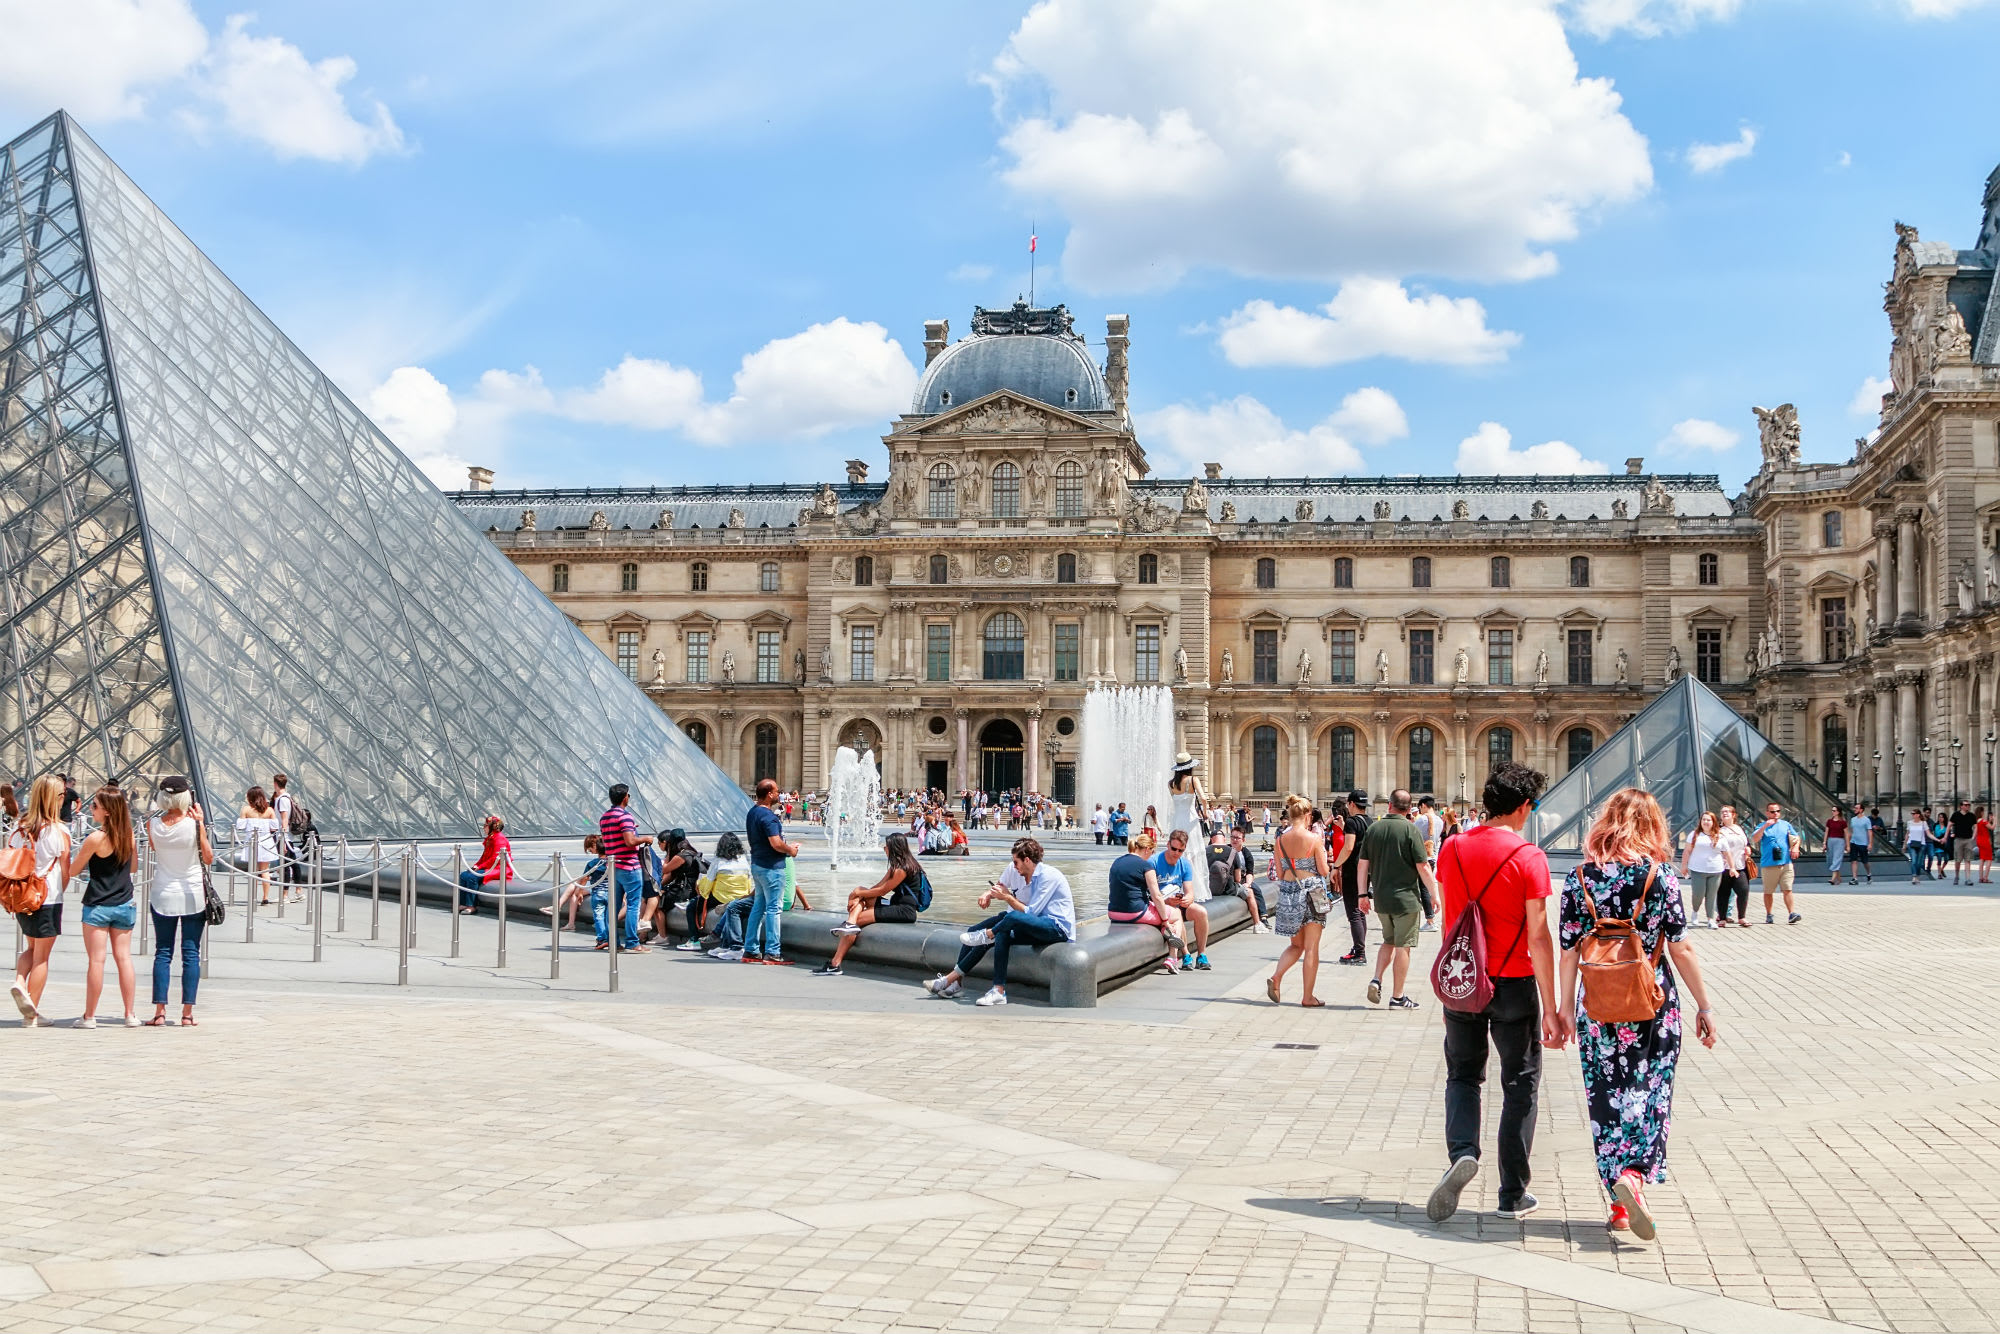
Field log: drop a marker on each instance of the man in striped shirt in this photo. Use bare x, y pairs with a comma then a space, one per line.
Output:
619, 842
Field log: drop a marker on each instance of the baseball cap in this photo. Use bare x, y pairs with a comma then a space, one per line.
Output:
1358, 797
174, 785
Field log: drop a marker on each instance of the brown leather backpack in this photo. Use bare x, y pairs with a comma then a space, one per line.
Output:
1620, 979
21, 890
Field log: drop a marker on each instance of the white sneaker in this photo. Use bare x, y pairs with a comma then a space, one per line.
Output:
689, 946
847, 929
1428, 926
23, 1001
943, 987
726, 955
1260, 930
132, 1021
993, 996
980, 937
85, 1021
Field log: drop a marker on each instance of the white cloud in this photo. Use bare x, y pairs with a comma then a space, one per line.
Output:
1698, 433
1645, 18
416, 411
1368, 317
1251, 440
1867, 400
970, 273
1319, 139
1844, 161
268, 90
1490, 449
638, 392
1714, 157
1941, 9
112, 59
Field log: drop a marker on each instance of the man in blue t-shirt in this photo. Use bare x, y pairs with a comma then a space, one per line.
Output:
1121, 825
1183, 889
1777, 845
769, 850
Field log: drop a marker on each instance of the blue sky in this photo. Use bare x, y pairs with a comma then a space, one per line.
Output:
612, 242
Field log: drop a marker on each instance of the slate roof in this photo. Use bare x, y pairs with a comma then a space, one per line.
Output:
774, 506
1352, 499
1044, 367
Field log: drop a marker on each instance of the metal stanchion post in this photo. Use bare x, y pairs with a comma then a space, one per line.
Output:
375, 892
315, 909
503, 865
141, 895
410, 926
555, 914
340, 904
457, 870
249, 896
307, 884
402, 924
617, 920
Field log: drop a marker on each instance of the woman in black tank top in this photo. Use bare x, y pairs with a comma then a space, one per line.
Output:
109, 912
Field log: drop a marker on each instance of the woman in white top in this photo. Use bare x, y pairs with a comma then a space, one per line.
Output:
40, 828
1186, 801
1734, 845
257, 834
1702, 862
178, 897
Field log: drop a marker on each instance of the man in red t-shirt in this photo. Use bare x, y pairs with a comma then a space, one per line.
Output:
1509, 877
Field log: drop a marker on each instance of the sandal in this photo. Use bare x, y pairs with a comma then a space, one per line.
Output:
1311, 1003
187, 1021
1271, 990
157, 1021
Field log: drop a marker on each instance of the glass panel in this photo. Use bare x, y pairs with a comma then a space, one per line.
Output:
937, 653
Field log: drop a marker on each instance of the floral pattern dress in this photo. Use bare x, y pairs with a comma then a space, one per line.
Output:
1628, 1069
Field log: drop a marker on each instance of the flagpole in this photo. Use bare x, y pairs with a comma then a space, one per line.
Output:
1031, 262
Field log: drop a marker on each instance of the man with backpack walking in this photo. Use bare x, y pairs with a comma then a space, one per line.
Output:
1507, 878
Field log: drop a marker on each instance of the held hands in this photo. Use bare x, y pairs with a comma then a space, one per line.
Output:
1557, 1030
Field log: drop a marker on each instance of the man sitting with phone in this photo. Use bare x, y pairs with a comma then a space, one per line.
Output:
1040, 911
1184, 891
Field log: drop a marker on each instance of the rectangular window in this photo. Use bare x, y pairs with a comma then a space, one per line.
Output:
697, 657
1340, 663
1580, 656
1499, 657
1833, 629
1708, 657
628, 653
937, 653
1423, 657
1264, 657
1069, 652
1146, 653
768, 662
861, 653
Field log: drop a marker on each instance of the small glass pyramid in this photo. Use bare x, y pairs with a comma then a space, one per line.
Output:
212, 563
1693, 753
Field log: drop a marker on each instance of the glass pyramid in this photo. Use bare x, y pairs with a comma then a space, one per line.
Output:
1693, 753
212, 563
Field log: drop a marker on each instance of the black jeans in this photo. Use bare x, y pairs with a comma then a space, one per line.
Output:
1513, 1019
1357, 921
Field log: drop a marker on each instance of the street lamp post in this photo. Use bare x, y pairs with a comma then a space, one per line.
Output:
1899, 783
1957, 744
1875, 772
1054, 748
1990, 739
1924, 773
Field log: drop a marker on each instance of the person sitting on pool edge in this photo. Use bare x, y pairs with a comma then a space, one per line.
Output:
893, 898
1040, 911
1135, 898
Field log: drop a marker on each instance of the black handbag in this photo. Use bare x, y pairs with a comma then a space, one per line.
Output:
212, 909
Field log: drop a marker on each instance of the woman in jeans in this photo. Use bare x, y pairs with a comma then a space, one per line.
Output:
1701, 861
109, 914
1300, 862
178, 837
1628, 1068
40, 828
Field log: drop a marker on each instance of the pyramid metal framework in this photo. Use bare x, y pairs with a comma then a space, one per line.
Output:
212, 563
1693, 753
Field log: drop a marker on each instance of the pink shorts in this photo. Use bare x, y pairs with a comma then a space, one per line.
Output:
1150, 917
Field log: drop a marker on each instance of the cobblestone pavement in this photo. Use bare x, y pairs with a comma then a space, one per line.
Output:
757, 1149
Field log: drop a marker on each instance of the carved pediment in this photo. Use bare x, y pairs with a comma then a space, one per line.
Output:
694, 620
1003, 413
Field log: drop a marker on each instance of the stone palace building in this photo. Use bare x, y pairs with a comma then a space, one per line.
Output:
1318, 633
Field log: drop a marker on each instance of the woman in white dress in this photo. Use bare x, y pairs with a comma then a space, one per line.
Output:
1188, 803
257, 835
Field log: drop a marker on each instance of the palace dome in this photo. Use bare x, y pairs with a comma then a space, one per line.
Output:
1032, 352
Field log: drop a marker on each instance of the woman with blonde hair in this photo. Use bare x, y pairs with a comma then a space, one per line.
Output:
178, 896
1299, 862
40, 828
1135, 898
1628, 1068
257, 832
109, 910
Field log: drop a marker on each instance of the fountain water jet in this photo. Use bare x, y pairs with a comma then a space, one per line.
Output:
1128, 749
853, 805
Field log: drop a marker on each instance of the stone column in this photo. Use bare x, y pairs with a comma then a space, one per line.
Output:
964, 774
1222, 743
1300, 780
1381, 763
1885, 577
1033, 766
1906, 567
1885, 741
1908, 735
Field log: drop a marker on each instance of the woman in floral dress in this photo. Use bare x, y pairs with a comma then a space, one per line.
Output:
1628, 1069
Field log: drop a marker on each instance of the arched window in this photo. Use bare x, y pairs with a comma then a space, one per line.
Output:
1502, 573
1267, 572
1833, 751
1579, 572
1579, 742
1343, 572
1340, 771
1423, 752
864, 571
628, 577
1499, 748
943, 491
764, 764
1066, 568
697, 733
767, 577
940, 570
1830, 529
1708, 568
1006, 648
698, 577
1006, 491
1264, 759
1149, 569
1420, 572
1069, 490
559, 578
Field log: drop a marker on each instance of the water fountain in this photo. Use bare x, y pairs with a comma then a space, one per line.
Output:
1128, 749
853, 805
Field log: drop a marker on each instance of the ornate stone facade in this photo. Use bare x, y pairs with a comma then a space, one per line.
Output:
1318, 633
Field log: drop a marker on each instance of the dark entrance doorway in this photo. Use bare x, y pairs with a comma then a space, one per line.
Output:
1000, 754
937, 776
1064, 789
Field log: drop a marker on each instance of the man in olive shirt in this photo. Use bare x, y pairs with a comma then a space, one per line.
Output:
1393, 873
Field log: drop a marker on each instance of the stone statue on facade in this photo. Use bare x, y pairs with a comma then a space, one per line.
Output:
1461, 665
1229, 511
1105, 479
904, 489
1381, 509
527, 521
1620, 510
826, 662
1180, 662
729, 667
1194, 500
1993, 574
1542, 668
799, 665
1460, 510
665, 523
1778, 435
1539, 510
1765, 658
1228, 667
1965, 595
736, 519
1656, 499
1623, 668
659, 667
1038, 484
826, 502
968, 491
1303, 511
1305, 667
1381, 666
1949, 339
598, 523
1673, 663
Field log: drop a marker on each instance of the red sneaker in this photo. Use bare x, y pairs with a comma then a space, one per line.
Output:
1618, 1222
1629, 1193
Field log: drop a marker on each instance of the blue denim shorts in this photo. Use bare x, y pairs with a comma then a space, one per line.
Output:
115, 916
